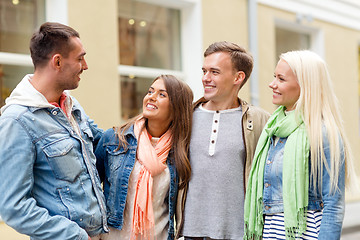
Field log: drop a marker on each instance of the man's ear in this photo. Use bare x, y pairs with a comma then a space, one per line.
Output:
56, 60
239, 78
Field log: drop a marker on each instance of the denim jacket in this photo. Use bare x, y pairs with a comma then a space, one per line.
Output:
115, 167
49, 180
332, 204
49, 187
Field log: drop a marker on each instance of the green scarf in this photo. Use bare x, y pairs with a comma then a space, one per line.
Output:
295, 176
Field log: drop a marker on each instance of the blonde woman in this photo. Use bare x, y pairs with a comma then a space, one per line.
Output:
297, 182
144, 163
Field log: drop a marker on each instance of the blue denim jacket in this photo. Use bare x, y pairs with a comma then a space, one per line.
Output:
115, 168
332, 204
49, 185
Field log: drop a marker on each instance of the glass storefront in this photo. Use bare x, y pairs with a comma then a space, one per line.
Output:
18, 20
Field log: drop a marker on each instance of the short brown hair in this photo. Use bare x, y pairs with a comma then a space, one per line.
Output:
49, 39
240, 58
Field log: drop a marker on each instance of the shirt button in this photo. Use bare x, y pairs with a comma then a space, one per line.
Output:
267, 185
54, 113
214, 131
268, 161
213, 141
216, 121
217, 111
267, 207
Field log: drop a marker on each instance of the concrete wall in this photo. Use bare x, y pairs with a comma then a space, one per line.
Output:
226, 22
99, 90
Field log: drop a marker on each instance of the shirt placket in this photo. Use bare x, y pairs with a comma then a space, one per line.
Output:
214, 133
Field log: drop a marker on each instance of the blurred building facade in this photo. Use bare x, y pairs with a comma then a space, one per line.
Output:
130, 42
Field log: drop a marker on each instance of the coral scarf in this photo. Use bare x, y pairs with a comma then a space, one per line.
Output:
153, 163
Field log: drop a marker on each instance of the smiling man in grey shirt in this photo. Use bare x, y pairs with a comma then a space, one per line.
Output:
224, 136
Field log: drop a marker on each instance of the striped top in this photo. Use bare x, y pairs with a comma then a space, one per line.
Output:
274, 228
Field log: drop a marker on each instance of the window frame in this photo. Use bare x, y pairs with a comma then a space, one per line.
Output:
316, 35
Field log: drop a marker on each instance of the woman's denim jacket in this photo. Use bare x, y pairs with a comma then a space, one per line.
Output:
49, 185
332, 204
115, 166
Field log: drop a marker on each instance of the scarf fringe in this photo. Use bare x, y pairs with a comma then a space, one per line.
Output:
251, 236
143, 228
257, 233
292, 233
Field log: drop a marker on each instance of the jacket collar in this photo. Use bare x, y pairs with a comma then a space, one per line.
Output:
26, 95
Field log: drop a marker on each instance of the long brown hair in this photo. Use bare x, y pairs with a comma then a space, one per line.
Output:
181, 98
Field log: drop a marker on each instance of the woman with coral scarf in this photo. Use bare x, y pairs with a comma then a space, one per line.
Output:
144, 163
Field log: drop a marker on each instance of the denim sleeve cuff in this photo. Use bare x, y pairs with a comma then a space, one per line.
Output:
82, 235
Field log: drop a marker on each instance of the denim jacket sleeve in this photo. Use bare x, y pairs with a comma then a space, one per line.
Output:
18, 208
334, 202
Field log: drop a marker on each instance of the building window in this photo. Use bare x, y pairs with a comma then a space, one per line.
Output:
287, 40
298, 36
149, 40
18, 20
10, 76
133, 90
149, 35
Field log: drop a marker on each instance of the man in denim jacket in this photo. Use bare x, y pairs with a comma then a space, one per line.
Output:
49, 185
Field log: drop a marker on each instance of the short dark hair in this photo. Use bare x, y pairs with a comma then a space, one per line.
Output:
49, 39
240, 58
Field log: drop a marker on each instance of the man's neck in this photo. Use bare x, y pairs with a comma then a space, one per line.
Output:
214, 106
41, 84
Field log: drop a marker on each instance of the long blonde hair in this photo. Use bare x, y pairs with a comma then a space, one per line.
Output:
319, 108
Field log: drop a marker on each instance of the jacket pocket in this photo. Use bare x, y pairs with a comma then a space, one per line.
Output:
115, 157
63, 159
